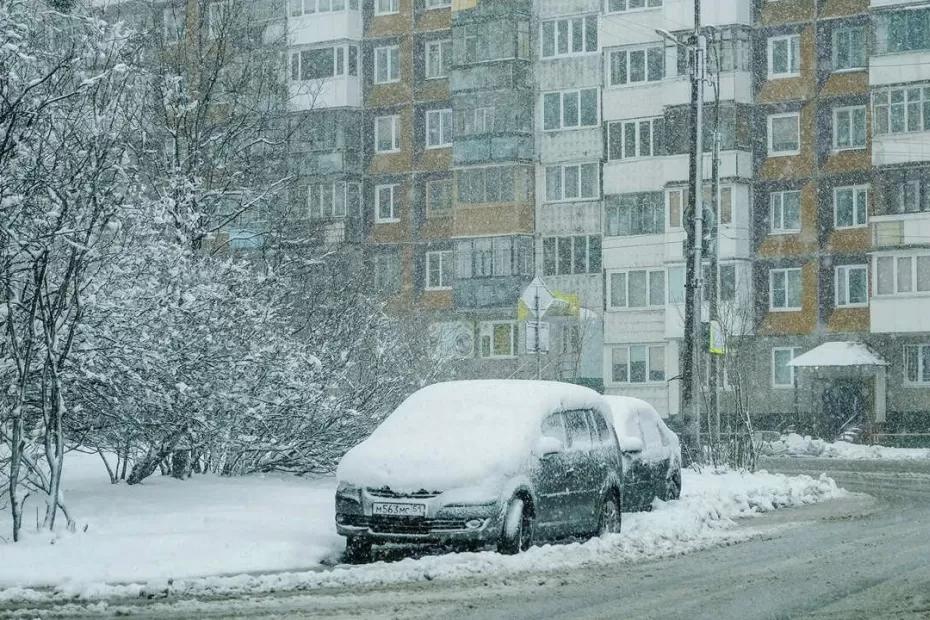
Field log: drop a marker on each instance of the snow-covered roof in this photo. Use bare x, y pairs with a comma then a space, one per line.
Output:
448, 435
838, 354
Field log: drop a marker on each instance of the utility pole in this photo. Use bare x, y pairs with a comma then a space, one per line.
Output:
694, 341
713, 386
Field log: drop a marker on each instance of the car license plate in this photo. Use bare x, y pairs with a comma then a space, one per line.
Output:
398, 510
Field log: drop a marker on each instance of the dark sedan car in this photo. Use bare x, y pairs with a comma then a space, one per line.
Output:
651, 453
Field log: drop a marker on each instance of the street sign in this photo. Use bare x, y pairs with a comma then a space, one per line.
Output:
534, 329
537, 297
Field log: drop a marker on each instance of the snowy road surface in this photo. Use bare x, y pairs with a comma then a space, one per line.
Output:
854, 557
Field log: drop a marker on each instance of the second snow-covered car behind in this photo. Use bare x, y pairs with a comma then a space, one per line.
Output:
475, 462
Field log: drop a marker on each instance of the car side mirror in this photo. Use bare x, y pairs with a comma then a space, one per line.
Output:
631, 444
547, 446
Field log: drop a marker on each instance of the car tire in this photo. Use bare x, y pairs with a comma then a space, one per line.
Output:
358, 550
517, 529
610, 518
673, 487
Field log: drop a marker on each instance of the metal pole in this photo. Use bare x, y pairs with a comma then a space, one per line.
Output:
698, 192
713, 292
538, 328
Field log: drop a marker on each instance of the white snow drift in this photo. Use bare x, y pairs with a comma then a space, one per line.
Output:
158, 538
796, 445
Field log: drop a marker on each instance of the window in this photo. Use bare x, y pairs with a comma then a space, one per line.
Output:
553, 427
579, 435
438, 58
386, 272
638, 288
851, 286
782, 373
386, 7
617, 6
571, 255
631, 66
570, 109
309, 7
572, 182
850, 206
638, 364
906, 197
677, 200
173, 23
386, 134
784, 54
489, 184
439, 197
385, 208
325, 200
849, 128
901, 110
486, 257
917, 363
785, 289
635, 214
570, 339
903, 31
676, 284
726, 288
784, 134
729, 52
566, 37
438, 4
636, 138
902, 275
474, 122
849, 46
439, 269
785, 211
325, 62
498, 339
438, 128
387, 64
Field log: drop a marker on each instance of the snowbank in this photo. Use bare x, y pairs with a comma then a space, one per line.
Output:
796, 445
460, 434
704, 517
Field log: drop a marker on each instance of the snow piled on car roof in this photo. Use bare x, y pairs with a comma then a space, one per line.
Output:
460, 433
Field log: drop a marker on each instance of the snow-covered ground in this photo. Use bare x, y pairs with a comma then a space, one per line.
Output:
176, 536
796, 445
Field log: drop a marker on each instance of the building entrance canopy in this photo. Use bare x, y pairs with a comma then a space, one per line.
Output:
838, 354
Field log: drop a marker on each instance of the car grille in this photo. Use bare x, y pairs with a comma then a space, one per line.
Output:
401, 525
387, 492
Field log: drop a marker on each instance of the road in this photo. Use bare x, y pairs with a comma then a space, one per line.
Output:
867, 556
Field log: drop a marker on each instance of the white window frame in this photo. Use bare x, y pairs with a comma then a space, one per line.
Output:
850, 110
486, 329
387, 53
638, 122
779, 197
393, 119
834, 48
648, 5
648, 347
579, 197
438, 73
430, 210
608, 79
858, 209
393, 7
896, 260
841, 274
771, 56
788, 153
569, 34
392, 188
650, 273
794, 353
784, 273
921, 370
314, 188
562, 95
444, 117
429, 5
445, 258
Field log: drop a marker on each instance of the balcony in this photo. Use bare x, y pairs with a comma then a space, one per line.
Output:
492, 292
334, 92
320, 27
901, 229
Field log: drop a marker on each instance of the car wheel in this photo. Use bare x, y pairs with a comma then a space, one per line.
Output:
358, 550
609, 520
673, 487
517, 532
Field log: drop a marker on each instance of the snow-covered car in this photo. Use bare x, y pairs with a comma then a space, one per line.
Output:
475, 462
651, 453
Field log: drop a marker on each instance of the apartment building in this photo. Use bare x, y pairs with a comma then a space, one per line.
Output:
646, 95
